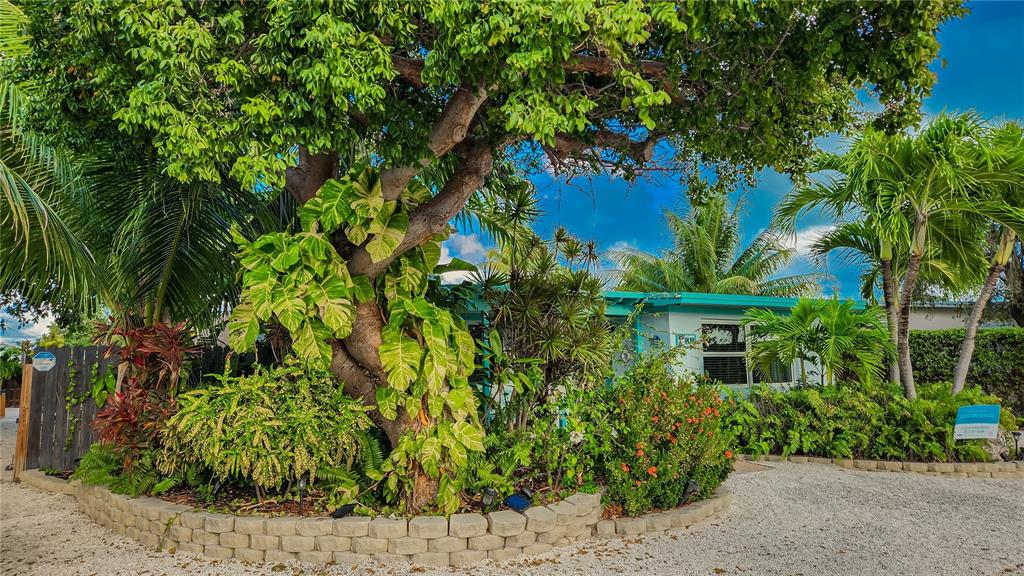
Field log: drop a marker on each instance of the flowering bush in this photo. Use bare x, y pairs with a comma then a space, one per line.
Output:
670, 446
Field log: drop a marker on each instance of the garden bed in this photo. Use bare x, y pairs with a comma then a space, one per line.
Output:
460, 539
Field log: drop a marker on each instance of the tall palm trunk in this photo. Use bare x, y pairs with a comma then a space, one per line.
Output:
903, 342
891, 314
999, 260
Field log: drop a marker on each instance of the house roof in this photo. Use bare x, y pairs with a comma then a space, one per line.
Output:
623, 303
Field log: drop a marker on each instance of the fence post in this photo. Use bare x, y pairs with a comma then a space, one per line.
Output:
24, 417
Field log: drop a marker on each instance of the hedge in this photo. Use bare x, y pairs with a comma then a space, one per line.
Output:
997, 365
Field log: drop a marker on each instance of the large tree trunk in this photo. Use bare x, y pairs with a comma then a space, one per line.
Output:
903, 342
891, 315
967, 348
356, 359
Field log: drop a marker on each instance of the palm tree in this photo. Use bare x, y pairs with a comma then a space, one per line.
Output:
913, 192
1007, 157
841, 337
703, 258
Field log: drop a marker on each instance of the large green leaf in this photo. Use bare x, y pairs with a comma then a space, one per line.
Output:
400, 357
309, 343
290, 309
243, 328
470, 436
387, 402
430, 455
388, 230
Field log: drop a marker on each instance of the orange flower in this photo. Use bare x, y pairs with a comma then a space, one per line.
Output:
707, 411
625, 468
653, 471
654, 419
728, 453
640, 453
710, 433
638, 482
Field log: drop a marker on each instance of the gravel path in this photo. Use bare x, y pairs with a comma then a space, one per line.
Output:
792, 520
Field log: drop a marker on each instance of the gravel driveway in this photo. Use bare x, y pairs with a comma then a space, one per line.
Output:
790, 519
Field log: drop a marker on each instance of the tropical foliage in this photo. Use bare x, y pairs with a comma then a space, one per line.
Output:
875, 422
705, 257
925, 201
272, 428
848, 343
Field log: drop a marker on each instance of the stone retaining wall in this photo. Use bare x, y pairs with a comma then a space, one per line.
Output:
428, 540
952, 469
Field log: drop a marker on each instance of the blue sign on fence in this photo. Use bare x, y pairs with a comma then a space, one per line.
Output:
43, 361
978, 421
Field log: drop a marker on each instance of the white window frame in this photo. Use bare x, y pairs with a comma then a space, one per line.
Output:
744, 354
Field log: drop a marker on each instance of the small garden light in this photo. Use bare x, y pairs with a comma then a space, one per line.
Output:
488, 498
343, 511
302, 488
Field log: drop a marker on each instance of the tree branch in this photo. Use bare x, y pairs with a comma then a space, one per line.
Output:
601, 66
433, 216
567, 146
450, 129
409, 69
303, 181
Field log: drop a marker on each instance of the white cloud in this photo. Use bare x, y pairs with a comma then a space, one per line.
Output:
467, 246
14, 333
804, 238
469, 243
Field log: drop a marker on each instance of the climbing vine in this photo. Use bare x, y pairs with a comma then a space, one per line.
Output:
100, 388
300, 281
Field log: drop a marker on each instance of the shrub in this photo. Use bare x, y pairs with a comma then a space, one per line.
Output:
667, 432
271, 429
997, 365
859, 422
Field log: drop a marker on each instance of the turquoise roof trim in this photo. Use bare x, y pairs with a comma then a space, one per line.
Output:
622, 303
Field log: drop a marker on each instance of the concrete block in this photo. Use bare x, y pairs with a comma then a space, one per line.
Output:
466, 557
915, 466
524, 538
249, 525
149, 540
561, 542
979, 474
353, 526
845, 463
205, 538
332, 543
314, 526
217, 552
264, 542
190, 548
506, 523
564, 510
219, 523
798, 459
388, 528
606, 528
467, 525
819, 460
941, 467
193, 520
506, 553
535, 549
866, 464
540, 519
551, 535
630, 526
447, 544
234, 540
486, 542
892, 466
298, 543
249, 555
428, 527
367, 545
967, 467
656, 522
315, 557
278, 556
433, 559
279, 527
407, 545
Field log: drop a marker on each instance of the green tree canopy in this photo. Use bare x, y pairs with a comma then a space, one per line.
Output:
278, 93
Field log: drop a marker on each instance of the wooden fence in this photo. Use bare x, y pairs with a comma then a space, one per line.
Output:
57, 436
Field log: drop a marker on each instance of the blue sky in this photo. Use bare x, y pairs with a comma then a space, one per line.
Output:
984, 55
984, 70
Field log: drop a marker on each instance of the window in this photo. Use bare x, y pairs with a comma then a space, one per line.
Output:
725, 353
725, 357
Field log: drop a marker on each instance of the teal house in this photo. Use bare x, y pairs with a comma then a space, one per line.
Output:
709, 326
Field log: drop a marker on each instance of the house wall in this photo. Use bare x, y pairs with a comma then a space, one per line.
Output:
674, 328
